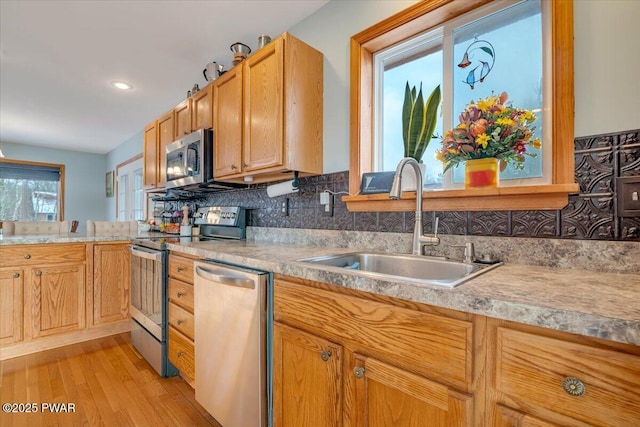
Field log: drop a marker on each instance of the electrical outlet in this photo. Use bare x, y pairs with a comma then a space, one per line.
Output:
324, 198
328, 206
284, 207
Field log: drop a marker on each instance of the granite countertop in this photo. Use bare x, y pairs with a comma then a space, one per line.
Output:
590, 303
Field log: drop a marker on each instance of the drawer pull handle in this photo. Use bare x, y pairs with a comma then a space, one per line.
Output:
16, 275
573, 386
325, 355
358, 372
181, 268
180, 294
180, 322
27, 256
180, 354
38, 273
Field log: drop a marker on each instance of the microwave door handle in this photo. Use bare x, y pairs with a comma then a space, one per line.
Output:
156, 256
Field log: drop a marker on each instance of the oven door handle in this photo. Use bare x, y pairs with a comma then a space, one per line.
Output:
154, 256
225, 279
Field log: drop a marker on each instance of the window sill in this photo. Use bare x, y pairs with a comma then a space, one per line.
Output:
538, 197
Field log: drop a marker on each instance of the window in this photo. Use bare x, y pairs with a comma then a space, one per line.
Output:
459, 22
130, 195
31, 191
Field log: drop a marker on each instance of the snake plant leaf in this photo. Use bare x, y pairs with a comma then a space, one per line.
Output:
418, 120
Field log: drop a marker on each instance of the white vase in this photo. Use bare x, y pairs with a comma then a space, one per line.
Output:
409, 177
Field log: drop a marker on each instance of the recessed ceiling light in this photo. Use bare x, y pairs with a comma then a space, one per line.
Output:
122, 85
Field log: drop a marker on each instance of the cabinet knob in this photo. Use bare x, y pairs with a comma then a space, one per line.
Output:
573, 386
27, 256
180, 322
16, 275
244, 165
179, 354
38, 273
325, 355
180, 294
234, 167
181, 268
358, 371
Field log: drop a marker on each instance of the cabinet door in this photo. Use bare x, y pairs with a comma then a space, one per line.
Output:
307, 379
183, 119
11, 303
507, 417
111, 283
202, 108
227, 118
263, 109
166, 133
150, 155
384, 395
57, 299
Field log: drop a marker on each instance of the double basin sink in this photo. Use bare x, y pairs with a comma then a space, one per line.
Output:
412, 268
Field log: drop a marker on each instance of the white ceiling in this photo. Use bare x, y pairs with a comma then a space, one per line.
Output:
57, 59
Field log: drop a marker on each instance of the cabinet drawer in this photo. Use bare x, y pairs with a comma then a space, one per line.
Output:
435, 346
181, 268
181, 293
181, 319
532, 368
50, 253
182, 354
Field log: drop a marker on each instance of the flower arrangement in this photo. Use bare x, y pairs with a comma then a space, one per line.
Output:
490, 128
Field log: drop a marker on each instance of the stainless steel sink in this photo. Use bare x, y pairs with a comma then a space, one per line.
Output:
414, 268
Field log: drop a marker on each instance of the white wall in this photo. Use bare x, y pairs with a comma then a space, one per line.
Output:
84, 179
607, 60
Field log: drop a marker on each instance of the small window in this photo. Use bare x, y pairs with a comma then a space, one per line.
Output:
492, 50
130, 193
31, 191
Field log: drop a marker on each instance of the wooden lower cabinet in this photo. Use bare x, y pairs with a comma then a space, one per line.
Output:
384, 395
111, 282
307, 376
57, 302
181, 318
357, 360
11, 305
541, 377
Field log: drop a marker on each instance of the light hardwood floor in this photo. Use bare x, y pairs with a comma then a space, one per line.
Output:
106, 380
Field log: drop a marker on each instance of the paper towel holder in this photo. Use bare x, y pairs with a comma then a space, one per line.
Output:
287, 187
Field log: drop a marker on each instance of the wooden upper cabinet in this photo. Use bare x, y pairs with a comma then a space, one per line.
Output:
263, 97
278, 92
227, 117
183, 119
202, 108
166, 134
150, 155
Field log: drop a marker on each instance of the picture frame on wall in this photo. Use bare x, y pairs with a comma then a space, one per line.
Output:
109, 184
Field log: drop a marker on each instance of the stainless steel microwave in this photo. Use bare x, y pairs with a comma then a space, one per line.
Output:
190, 160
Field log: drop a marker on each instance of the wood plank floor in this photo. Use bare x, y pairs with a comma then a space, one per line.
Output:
107, 382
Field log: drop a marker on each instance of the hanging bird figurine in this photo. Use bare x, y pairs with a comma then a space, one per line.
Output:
482, 52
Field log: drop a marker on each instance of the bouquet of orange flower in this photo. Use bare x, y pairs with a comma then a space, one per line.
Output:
489, 128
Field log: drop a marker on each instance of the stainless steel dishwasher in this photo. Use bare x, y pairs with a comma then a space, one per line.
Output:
232, 310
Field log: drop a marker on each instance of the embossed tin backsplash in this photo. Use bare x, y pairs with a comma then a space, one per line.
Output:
592, 214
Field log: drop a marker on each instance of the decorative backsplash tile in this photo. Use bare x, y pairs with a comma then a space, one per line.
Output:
590, 215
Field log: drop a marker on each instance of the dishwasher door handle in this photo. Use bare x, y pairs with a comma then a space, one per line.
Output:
221, 277
150, 254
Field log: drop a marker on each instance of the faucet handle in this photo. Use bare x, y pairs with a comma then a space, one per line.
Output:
469, 251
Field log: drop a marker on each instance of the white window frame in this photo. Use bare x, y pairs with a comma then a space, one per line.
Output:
128, 169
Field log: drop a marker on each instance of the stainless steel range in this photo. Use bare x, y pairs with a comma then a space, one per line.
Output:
149, 282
